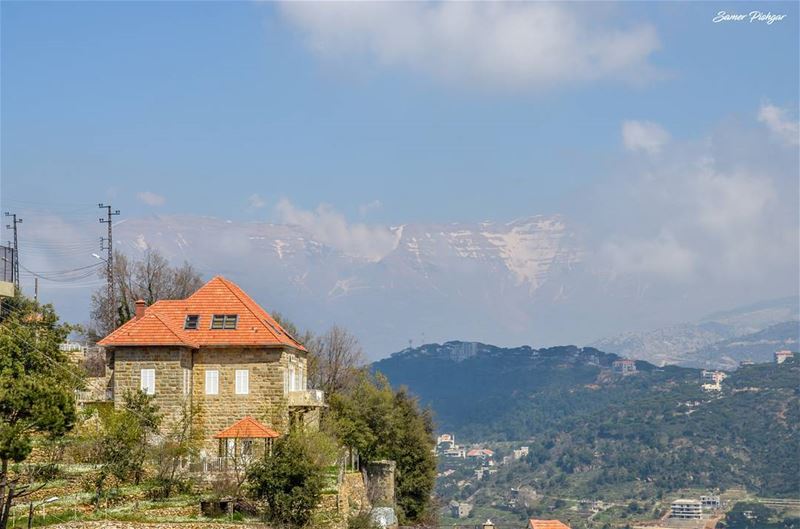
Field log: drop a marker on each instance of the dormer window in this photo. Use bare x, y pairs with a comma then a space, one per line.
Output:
192, 322
224, 321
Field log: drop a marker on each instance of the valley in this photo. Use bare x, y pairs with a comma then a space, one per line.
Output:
566, 430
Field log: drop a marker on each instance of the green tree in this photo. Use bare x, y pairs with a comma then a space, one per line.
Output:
290, 481
123, 442
179, 443
37, 387
381, 423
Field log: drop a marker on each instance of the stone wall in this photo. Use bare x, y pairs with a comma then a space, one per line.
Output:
170, 363
353, 494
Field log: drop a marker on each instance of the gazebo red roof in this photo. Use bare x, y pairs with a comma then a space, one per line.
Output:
247, 428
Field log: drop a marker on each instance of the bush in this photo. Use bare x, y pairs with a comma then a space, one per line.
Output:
290, 481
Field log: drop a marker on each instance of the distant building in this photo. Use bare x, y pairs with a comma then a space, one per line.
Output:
686, 509
713, 376
713, 380
746, 363
782, 356
446, 441
460, 509
521, 452
546, 524
75, 350
710, 503
624, 367
480, 453
458, 451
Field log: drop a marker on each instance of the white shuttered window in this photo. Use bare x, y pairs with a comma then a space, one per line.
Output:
212, 382
242, 381
148, 381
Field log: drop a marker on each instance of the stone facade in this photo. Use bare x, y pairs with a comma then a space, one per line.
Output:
265, 398
180, 381
172, 390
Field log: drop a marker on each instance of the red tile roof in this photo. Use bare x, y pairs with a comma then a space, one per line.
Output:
477, 452
247, 428
163, 322
546, 524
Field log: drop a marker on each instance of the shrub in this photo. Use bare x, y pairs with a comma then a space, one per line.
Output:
290, 481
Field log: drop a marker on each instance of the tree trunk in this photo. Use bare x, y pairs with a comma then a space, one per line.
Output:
3, 485
7, 506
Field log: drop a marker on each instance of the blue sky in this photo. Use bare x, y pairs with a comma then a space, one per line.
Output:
206, 104
668, 142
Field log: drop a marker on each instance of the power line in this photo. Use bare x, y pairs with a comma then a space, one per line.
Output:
74, 274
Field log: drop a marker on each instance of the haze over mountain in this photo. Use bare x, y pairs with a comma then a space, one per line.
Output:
719, 340
491, 278
531, 281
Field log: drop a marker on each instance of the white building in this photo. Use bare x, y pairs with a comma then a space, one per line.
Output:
782, 356
686, 509
710, 503
446, 441
624, 367
521, 452
714, 377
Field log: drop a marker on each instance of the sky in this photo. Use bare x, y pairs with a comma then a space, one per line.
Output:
671, 138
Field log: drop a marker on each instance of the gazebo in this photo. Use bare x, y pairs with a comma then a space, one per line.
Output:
241, 439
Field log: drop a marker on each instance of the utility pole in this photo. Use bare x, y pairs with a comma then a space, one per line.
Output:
106, 243
15, 264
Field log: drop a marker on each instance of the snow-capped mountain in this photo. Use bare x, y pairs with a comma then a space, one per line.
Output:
431, 282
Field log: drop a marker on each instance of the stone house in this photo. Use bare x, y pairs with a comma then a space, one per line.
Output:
219, 352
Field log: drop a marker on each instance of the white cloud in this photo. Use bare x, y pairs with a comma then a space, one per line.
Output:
255, 201
644, 136
331, 228
778, 122
364, 209
499, 44
719, 210
151, 199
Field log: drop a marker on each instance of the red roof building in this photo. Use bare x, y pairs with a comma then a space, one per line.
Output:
218, 351
546, 524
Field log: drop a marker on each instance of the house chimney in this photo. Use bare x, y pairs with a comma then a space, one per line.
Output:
140, 306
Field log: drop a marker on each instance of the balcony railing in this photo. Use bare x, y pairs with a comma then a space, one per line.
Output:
307, 398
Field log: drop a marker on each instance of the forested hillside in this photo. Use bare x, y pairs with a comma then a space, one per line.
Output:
590, 430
